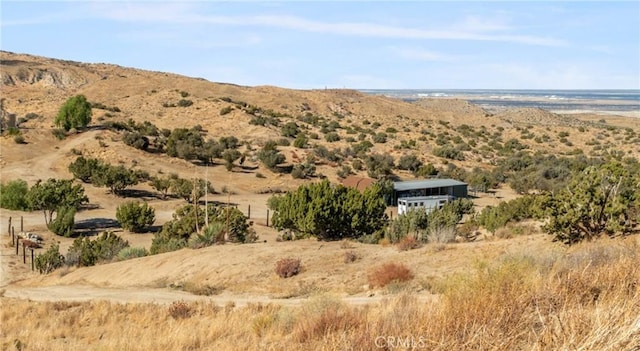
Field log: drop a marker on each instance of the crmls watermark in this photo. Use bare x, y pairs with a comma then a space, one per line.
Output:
397, 342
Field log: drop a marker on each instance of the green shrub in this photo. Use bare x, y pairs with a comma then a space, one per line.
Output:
345, 171
64, 221
135, 216
413, 223
426, 170
128, 253
379, 165
226, 110
185, 103
13, 195
290, 130
136, 140
19, 139
116, 178
329, 212
332, 137
59, 133
410, 163
270, 156
75, 113
176, 233
449, 152
380, 138
49, 260
303, 170
85, 252
84, 168
301, 141
495, 217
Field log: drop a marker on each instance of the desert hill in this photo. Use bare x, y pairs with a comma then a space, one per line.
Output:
345, 130
37, 85
34, 88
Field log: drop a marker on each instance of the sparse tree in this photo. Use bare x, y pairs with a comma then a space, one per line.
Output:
162, 185
230, 156
13, 195
116, 178
75, 113
597, 201
135, 216
53, 194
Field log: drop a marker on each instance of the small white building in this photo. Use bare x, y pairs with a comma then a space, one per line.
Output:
426, 203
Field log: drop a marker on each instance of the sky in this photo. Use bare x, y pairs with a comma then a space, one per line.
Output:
344, 44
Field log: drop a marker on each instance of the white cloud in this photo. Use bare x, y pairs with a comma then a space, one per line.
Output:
176, 38
422, 55
471, 28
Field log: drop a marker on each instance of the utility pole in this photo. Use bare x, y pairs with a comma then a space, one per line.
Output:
206, 195
195, 203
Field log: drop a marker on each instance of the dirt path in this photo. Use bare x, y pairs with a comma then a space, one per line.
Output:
162, 296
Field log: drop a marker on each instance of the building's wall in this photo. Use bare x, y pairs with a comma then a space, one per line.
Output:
427, 205
459, 191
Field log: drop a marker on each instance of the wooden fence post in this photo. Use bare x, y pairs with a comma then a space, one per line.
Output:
249, 211
17, 244
13, 238
21, 224
32, 261
9, 228
24, 252
267, 218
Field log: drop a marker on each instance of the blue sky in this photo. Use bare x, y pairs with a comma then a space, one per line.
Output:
362, 45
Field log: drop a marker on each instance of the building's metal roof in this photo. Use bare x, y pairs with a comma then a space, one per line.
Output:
426, 184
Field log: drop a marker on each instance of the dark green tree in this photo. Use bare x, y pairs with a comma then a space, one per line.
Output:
162, 185
84, 168
75, 113
13, 195
135, 216
53, 194
49, 260
116, 178
597, 201
330, 212
230, 156
64, 221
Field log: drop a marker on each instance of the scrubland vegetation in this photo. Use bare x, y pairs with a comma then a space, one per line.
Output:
586, 297
582, 293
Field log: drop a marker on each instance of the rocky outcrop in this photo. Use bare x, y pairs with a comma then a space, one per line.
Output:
45, 77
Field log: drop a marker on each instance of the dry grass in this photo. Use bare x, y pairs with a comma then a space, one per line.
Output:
408, 243
587, 298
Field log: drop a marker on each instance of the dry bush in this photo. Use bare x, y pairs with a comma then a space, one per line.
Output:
586, 297
468, 231
384, 242
346, 244
199, 289
389, 273
180, 309
287, 267
350, 256
408, 243
442, 235
324, 316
